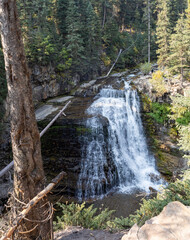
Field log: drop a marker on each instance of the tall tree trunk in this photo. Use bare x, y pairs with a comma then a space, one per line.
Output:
28, 168
182, 72
104, 15
148, 31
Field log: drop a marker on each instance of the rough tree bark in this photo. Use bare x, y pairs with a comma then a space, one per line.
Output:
28, 168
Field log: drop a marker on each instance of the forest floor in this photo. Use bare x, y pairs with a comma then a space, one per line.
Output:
78, 233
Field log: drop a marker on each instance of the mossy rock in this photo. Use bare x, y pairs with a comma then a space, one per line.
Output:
167, 163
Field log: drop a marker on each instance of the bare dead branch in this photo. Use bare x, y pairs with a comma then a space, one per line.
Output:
29, 230
31, 204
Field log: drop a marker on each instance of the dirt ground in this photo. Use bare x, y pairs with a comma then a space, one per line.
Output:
78, 233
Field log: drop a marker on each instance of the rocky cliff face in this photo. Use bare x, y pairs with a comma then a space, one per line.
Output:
47, 83
161, 140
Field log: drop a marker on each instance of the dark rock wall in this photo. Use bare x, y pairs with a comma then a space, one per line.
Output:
46, 82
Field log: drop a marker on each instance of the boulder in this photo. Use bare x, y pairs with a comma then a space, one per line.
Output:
171, 224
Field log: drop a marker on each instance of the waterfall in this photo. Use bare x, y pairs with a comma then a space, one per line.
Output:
115, 155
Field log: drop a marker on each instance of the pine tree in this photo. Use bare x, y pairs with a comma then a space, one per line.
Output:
62, 6
92, 38
39, 31
176, 7
180, 48
163, 33
74, 41
188, 15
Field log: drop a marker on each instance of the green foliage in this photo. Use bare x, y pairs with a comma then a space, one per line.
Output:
120, 223
92, 31
65, 61
80, 215
62, 6
179, 58
87, 217
184, 119
146, 68
160, 112
180, 107
175, 9
39, 32
158, 83
163, 32
181, 113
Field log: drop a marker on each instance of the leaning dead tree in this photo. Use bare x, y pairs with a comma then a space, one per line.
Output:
120, 51
31, 204
29, 178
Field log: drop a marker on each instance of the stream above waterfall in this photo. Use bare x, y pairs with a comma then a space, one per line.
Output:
116, 157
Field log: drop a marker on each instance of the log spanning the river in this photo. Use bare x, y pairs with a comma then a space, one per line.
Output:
10, 165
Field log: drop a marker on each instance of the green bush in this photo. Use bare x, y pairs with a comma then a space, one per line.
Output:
78, 215
160, 112
146, 68
184, 119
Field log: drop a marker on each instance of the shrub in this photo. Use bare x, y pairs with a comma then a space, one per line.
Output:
78, 215
158, 83
160, 112
146, 68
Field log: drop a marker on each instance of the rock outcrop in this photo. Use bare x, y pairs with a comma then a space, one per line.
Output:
162, 138
171, 224
46, 82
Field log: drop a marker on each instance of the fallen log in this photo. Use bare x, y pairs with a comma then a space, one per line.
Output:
31, 204
55, 118
10, 165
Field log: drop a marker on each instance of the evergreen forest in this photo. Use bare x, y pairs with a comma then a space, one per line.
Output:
84, 37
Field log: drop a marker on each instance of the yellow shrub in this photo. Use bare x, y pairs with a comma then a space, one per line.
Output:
106, 60
158, 83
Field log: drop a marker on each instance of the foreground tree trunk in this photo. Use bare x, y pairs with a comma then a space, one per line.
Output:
28, 169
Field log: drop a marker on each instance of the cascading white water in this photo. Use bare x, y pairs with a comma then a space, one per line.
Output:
122, 158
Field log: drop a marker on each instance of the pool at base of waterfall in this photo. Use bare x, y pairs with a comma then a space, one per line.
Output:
122, 204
